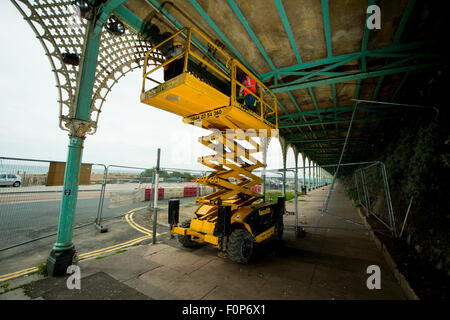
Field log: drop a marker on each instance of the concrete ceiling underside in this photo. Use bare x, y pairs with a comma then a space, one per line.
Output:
318, 56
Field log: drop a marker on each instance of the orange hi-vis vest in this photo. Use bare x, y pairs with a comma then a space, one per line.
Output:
250, 84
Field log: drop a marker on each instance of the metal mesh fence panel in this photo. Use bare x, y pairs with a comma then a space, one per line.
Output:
128, 188
365, 182
374, 194
28, 208
30, 199
89, 196
125, 188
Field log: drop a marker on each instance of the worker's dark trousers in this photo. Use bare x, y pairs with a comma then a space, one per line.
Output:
250, 102
174, 69
168, 72
178, 66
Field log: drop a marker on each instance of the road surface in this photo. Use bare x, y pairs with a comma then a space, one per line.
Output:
32, 212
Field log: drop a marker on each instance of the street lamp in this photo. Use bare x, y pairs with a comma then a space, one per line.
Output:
83, 9
115, 26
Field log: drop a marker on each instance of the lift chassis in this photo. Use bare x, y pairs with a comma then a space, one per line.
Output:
231, 232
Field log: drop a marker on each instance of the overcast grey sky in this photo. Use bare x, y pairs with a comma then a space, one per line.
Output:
129, 132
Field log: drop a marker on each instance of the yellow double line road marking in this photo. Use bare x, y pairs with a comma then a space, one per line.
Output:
17, 274
134, 225
112, 248
130, 221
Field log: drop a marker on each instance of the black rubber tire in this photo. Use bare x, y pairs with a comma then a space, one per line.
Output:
240, 246
16, 184
186, 240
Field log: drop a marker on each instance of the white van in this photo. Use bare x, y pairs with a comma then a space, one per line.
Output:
8, 179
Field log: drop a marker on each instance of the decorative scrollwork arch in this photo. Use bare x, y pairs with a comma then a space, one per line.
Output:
118, 55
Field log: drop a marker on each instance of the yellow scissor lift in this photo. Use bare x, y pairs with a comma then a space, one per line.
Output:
230, 218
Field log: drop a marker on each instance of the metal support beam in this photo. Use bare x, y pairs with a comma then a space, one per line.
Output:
326, 24
137, 24
309, 142
316, 175
336, 133
402, 24
284, 151
249, 30
309, 173
395, 42
255, 39
296, 194
287, 29
318, 123
154, 4
329, 67
216, 29
304, 171
63, 251
389, 51
106, 10
329, 112
351, 77
365, 40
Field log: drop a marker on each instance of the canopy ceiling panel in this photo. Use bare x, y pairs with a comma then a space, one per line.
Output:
317, 55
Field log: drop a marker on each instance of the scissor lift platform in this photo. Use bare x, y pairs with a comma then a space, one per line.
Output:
185, 95
196, 101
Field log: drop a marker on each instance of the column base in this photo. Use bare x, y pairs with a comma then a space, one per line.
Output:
58, 261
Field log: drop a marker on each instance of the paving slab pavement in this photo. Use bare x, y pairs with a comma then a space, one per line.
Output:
86, 239
326, 264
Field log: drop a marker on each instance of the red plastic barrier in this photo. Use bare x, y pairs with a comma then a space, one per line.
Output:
257, 188
190, 191
149, 193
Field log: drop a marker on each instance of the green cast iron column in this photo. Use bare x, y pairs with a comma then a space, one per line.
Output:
313, 175
63, 251
284, 151
318, 175
70, 193
304, 170
309, 174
